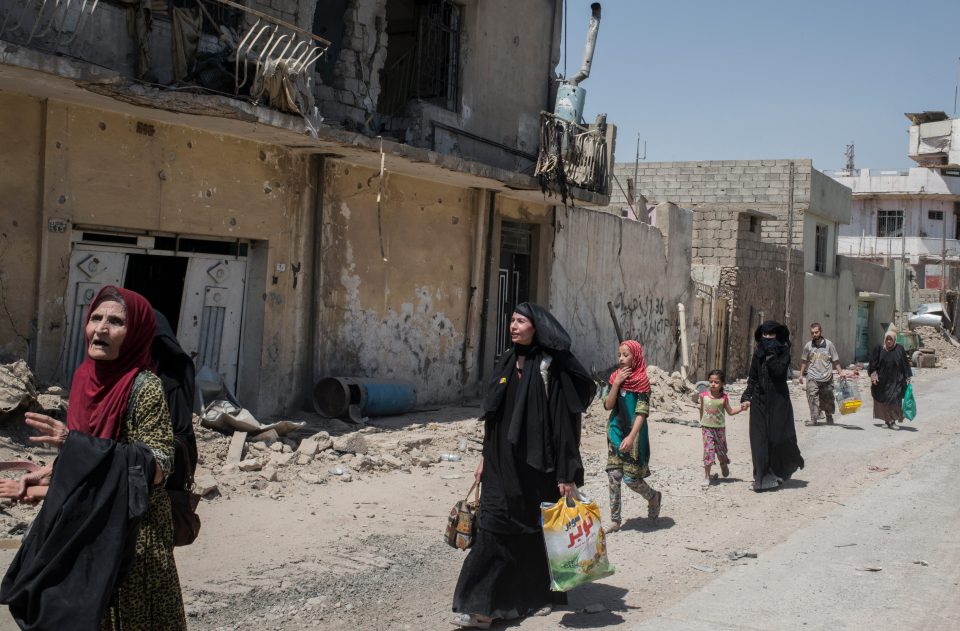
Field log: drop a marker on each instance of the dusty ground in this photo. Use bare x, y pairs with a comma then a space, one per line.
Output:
311, 550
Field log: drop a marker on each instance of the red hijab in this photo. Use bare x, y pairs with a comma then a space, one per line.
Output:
637, 381
101, 389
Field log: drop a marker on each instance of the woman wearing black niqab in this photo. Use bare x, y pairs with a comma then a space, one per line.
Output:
531, 454
773, 437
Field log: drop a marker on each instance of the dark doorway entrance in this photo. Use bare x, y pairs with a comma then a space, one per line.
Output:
513, 283
160, 280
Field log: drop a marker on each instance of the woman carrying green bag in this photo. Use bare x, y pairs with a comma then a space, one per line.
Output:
890, 376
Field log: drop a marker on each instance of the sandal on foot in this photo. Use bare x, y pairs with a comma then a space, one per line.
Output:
613, 527
471, 621
543, 611
706, 482
653, 510
724, 469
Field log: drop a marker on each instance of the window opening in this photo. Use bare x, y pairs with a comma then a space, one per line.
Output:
935, 215
889, 223
423, 56
820, 254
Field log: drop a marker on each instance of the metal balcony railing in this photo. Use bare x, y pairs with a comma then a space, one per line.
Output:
572, 155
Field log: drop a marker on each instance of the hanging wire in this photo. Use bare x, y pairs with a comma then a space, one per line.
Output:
379, 198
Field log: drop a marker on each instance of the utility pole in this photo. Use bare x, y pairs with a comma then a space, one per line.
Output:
943, 260
787, 297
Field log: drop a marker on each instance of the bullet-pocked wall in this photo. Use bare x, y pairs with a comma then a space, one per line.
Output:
20, 176
404, 317
118, 173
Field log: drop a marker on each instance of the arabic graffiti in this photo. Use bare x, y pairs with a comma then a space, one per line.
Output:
645, 318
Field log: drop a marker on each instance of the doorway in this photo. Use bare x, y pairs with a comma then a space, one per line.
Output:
198, 284
863, 332
513, 282
159, 279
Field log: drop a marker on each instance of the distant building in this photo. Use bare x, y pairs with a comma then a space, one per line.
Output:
743, 211
912, 215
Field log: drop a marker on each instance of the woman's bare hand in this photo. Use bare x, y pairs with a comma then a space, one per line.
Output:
478, 472
627, 443
54, 431
622, 376
567, 489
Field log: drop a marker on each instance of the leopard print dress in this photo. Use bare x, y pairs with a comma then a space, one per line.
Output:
149, 598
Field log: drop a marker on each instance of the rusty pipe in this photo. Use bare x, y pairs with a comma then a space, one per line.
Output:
591, 44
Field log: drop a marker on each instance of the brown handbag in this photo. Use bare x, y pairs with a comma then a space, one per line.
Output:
462, 522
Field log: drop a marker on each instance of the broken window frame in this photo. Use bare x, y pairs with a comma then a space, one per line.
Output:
438, 52
890, 223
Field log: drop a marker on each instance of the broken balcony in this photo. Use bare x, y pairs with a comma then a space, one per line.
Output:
203, 46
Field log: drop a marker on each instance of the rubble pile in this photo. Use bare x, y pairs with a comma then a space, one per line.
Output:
270, 463
945, 345
670, 393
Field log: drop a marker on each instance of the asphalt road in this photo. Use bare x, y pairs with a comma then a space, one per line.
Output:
888, 558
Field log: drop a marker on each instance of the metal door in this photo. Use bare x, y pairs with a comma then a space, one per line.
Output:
863, 332
210, 318
90, 270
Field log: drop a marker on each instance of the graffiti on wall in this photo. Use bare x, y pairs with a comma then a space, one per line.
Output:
648, 320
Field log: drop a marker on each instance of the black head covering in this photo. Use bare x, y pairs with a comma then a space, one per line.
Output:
766, 346
548, 334
772, 326
545, 424
176, 370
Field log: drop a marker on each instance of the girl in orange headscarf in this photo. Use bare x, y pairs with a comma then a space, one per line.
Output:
628, 442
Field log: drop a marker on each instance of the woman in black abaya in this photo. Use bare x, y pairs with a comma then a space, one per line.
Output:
889, 371
773, 438
531, 454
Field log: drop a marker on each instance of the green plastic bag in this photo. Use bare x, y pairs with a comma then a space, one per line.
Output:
909, 403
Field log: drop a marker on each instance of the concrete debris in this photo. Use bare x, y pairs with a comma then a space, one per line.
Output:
669, 392
237, 442
409, 444
18, 388
269, 474
350, 443
251, 464
311, 478
283, 459
204, 484
269, 437
309, 448
704, 568
942, 343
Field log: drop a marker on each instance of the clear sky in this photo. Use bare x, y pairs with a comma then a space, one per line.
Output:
752, 79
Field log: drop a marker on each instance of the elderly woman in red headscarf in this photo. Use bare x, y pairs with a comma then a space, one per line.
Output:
628, 441
115, 396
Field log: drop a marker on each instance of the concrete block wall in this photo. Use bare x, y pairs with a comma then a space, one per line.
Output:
729, 185
717, 182
756, 289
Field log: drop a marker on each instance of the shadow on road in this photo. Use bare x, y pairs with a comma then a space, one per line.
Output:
642, 524
793, 483
610, 596
900, 428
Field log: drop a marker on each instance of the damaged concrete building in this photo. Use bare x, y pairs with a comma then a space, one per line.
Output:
748, 215
307, 189
911, 218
